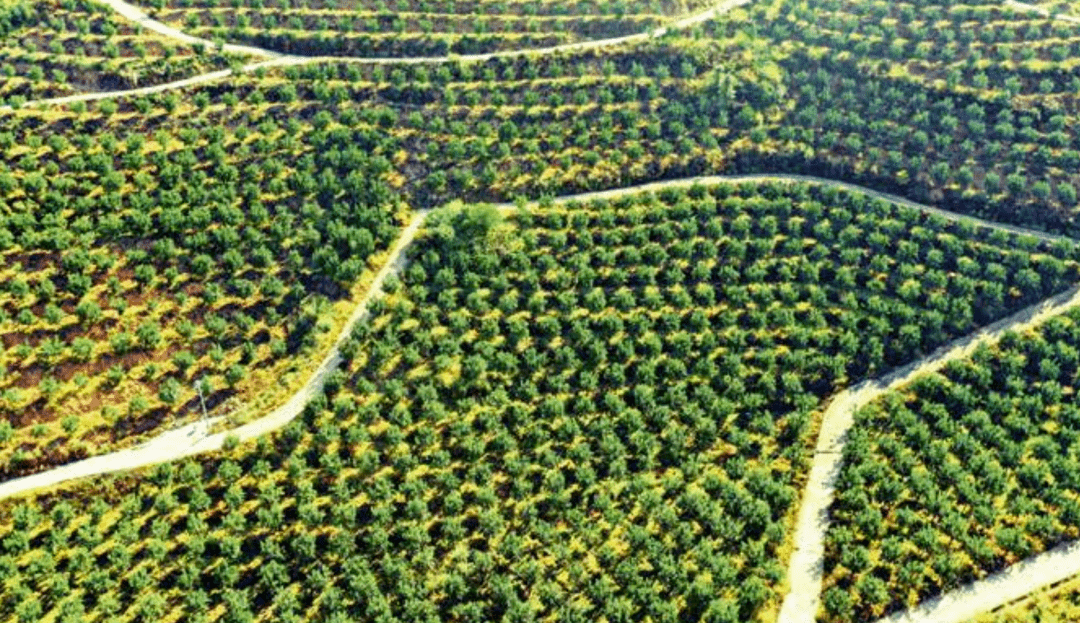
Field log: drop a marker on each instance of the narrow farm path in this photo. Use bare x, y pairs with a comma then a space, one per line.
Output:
806, 566
277, 59
805, 570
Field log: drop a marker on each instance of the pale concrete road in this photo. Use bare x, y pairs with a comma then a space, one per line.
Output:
1008, 585
806, 567
193, 438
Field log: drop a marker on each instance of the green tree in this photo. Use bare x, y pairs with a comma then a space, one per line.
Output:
169, 391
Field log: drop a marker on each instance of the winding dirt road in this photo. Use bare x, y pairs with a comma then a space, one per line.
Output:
194, 438
275, 59
805, 570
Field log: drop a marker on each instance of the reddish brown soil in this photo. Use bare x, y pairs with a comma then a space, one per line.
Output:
34, 413
32, 375
99, 331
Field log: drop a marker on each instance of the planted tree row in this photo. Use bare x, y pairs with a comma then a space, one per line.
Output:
967, 105
597, 411
140, 257
378, 28
51, 48
958, 475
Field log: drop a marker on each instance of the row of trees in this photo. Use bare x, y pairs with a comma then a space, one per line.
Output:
958, 475
979, 125
58, 47
156, 252
419, 31
565, 415
657, 114
497, 7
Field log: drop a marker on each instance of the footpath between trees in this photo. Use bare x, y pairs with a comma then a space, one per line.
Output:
196, 438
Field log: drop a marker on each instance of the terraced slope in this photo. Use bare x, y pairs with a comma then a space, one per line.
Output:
373, 28
152, 241
50, 48
144, 252
962, 112
971, 105
506, 127
606, 407
960, 474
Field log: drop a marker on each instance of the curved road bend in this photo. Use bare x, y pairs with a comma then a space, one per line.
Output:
680, 24
192, 438
807, 562
282, 60
137, 15
806, 567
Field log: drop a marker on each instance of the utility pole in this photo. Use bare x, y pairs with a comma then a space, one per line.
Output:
202, 401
